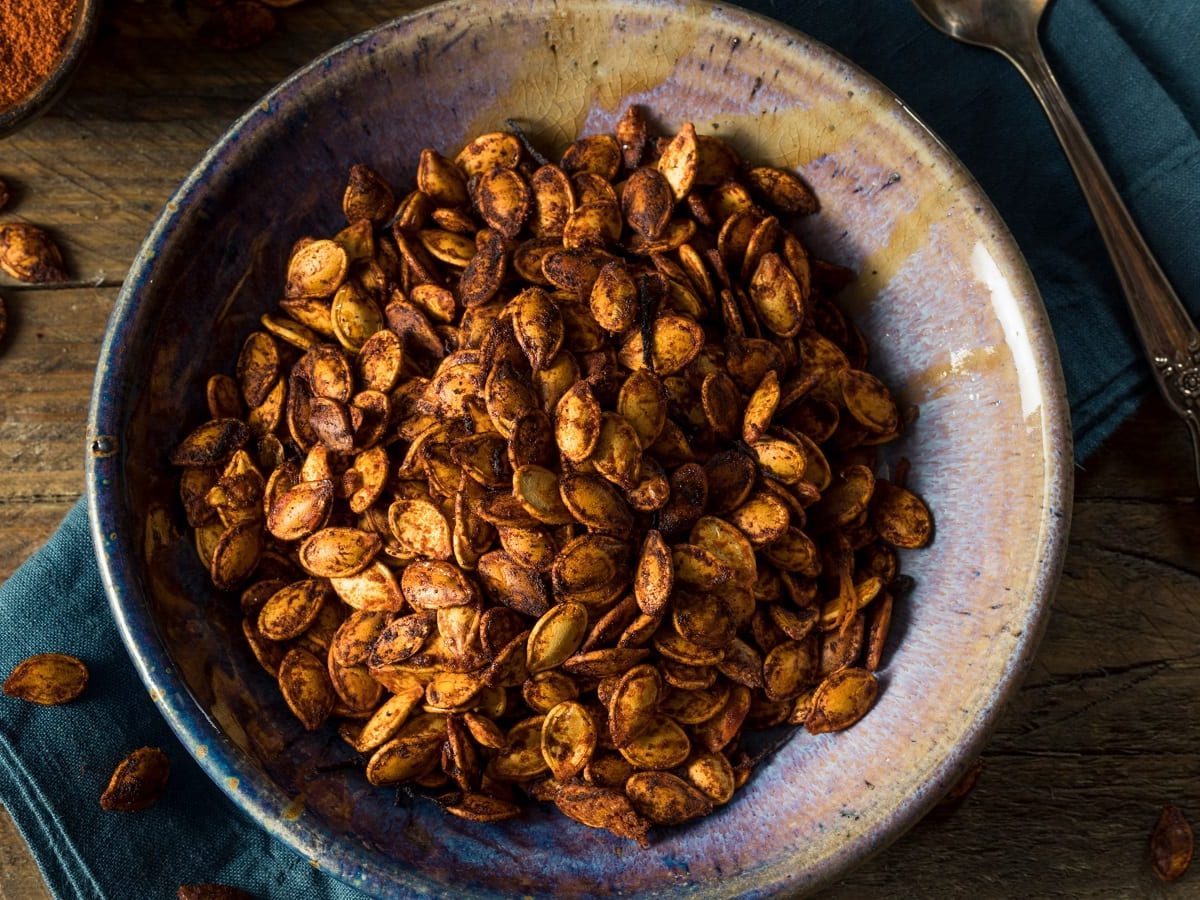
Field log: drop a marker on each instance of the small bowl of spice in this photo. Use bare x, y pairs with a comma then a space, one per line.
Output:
42, 43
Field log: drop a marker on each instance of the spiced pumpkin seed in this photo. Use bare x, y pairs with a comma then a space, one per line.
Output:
47, 679
374, 588
666, 799
494, 150
712, 775
595, 503
601, 807
674, 341
513, 585
235, 554
306, 688
406, 755
662, 745
900, 516
301, 510
568, 739
419, 527
29, 254
634, 704
291, 610
137, 782
338, 552
841, 700
434, 584
504, 200
611, 443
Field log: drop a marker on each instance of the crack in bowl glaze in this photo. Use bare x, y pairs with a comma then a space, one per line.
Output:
955, 325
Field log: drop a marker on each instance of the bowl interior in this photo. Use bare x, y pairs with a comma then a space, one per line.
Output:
949, 308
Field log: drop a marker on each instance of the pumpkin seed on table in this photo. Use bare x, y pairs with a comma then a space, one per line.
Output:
552, 481
47, 679
210, 891
137, 782
1171, 844
29, 254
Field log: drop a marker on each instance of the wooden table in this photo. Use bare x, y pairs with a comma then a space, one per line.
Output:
1104, 731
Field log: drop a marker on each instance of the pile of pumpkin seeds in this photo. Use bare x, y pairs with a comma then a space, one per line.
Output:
550, 481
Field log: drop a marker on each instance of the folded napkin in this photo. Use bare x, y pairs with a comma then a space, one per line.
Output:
1132, 67
56, 761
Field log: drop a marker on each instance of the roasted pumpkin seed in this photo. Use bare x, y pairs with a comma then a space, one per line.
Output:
634, 704
568, 739
589, 442
304, 683
556, 635
674, 342
521, 758
316, 270
291, 610
666, 799
433, 584
900, 516
47, 679
601, 807
712, 775
595, 503
353, 640
504, 200
367, 196
29, 254
841, 700
783, 190
494, 150
405, 756
374, 588
1171, 844
419, 527
662, 745
137, 782
338, 552
301, 510
513, 585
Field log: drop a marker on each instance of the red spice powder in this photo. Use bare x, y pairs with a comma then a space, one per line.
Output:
32, 35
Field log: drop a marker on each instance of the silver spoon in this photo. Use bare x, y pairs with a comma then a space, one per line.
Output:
1168, 336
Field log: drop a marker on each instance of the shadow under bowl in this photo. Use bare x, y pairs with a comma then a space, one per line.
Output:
949, 307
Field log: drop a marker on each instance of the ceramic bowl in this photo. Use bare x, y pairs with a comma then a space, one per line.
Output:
956, 327
28, 108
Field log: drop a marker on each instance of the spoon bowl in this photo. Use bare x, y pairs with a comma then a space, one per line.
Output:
994, 24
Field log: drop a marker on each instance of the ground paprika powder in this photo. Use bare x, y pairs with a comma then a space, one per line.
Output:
32, 36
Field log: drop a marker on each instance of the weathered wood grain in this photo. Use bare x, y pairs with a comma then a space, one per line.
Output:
19, 875
1150, 462
150, 100
46, 365
1104, 730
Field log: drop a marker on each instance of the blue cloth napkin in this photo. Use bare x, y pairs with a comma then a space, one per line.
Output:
56, 761
1132, 69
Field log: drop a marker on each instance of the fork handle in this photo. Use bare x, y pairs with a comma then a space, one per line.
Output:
1167, 333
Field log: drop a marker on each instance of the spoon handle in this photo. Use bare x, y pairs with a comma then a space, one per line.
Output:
1170, 339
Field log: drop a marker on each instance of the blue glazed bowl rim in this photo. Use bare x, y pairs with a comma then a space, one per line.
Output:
236, 773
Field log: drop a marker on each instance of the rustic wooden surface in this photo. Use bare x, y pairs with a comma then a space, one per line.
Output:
1104, 730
